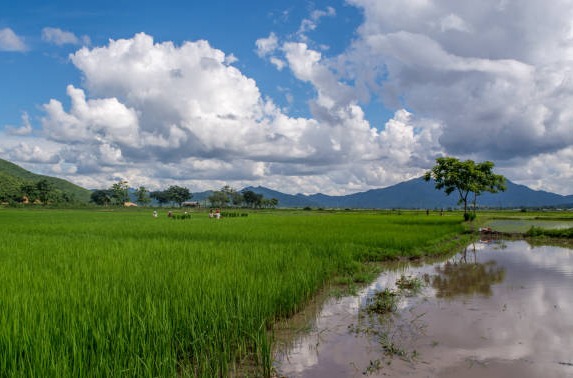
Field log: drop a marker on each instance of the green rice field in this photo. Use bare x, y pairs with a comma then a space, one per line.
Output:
119, 293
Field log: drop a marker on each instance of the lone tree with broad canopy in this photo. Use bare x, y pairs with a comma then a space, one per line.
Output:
465, 177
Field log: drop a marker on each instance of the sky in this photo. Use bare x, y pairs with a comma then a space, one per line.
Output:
335, 97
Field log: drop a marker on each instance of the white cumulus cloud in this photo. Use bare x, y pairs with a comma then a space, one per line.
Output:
168, 112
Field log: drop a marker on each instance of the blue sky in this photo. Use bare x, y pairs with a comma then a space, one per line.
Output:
304, 96
43, 70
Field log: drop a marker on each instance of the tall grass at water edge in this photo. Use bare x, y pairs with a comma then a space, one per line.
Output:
87, 293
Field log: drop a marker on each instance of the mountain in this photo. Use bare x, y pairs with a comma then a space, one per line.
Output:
201, 196
412, 194
418, 194
13, 175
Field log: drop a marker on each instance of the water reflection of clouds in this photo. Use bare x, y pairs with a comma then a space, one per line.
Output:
526, 320
556, 259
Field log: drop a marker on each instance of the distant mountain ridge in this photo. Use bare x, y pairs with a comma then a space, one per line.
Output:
412, 194
418, 194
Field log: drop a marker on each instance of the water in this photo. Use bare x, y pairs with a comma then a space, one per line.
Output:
500, 309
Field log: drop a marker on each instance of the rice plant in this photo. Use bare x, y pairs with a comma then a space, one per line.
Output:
121, 293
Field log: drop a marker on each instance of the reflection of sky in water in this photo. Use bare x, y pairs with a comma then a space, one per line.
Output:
523, 327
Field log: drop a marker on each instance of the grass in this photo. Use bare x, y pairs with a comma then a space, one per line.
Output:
383, 302
120, 293
409, 285
552, 233
521, 222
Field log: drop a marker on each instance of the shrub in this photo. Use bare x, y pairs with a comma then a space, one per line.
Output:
469, 217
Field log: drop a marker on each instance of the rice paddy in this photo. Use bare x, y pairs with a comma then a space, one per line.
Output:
120, 293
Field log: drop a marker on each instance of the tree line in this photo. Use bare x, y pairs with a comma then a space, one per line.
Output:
174, 195
43, 192
228, 196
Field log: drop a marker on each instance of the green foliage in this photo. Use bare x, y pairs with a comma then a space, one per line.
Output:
9, 188
181, 216
83, 295
178, 194
160, 196
409, 285
12, 177
45, 190
383, 302
142, 196
101, 197
247, 198
119, 192
224, 197
469, 217
219, 199
553, 233
252, 199
233, 214
465, 177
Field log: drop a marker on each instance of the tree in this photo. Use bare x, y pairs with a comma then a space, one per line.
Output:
120, 194
62, 196
142, 196
219, 199
487, 181
227, 195
45, 191
10, 188
101, 197
252, 199
29, 192
160, 196
178, 194
233, 196
465, 177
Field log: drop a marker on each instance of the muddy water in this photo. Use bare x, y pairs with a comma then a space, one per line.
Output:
502, 309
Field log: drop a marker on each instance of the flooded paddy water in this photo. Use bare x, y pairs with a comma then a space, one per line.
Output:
498, 309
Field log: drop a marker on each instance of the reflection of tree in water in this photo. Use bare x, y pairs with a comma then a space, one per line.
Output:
461, 277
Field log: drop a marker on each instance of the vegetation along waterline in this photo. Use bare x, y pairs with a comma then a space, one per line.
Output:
100, 293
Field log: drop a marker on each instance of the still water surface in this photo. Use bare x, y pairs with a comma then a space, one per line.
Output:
500, 309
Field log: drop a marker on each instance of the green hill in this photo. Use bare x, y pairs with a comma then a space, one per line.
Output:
13, 176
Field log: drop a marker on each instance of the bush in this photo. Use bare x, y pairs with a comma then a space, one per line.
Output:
181, 216
229, 214
469, 217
